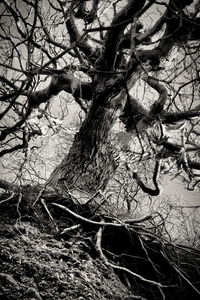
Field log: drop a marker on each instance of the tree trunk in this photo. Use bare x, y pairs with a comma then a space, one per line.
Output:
90, 161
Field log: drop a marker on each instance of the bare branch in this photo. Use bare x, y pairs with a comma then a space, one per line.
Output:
63, 82
83, 13
80, 42
145, 189
169, 118
113, 37
158, 106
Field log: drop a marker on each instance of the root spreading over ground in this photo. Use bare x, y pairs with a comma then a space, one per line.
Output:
52, 247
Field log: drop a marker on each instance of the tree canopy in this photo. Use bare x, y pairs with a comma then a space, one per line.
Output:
134, 62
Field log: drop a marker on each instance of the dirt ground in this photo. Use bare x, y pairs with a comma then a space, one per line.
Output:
36, 265
38, 262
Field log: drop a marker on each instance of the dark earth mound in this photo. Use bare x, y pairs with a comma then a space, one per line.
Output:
35, 265
57, 249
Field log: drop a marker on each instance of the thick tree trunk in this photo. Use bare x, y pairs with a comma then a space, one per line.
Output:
90, 161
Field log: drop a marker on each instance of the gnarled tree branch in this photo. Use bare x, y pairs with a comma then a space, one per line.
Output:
87, 15
113, 37
81, 43
145, 189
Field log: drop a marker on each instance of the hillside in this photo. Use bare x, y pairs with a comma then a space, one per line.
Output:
72, 257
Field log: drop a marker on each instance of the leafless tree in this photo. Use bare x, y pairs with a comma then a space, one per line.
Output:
97, 52
131, 63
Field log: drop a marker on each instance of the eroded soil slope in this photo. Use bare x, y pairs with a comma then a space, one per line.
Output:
36, 265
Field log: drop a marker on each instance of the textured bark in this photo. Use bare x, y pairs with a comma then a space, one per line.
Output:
90, 161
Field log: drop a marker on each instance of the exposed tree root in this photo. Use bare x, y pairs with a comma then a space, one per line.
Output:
49, 214
149, 264
180, 273
85, 220
105, 260
67, 230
